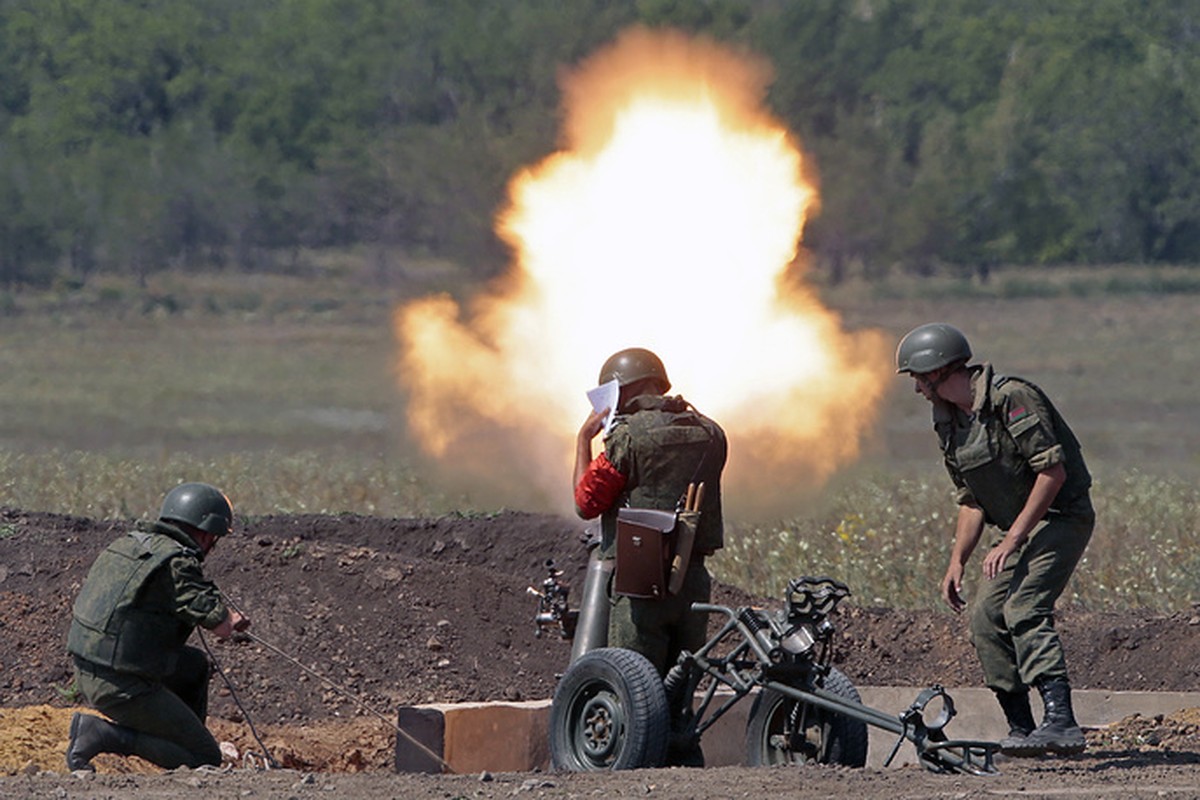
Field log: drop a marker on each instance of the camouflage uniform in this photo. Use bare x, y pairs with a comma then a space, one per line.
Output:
661, 444
993, 456
143, 597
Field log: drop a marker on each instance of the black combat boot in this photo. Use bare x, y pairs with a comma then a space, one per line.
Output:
1019, 716
91, 735
1059, 733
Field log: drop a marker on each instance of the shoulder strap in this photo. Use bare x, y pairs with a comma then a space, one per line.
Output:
705, 423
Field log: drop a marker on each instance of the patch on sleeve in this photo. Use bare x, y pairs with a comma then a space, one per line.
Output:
1017, 414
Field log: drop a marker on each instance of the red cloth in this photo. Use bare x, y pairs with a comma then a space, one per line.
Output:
599, 488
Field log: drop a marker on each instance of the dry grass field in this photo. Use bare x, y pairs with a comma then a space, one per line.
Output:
1122, 367
282, 390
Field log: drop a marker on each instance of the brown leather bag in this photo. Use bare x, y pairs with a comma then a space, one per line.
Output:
645, 546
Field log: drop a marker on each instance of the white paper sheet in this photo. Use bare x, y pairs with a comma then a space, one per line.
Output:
605, 396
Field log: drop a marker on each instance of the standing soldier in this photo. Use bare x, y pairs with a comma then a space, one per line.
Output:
1017, 466
143, 597
656, 446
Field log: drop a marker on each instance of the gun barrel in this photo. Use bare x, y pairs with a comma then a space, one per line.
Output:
591, 630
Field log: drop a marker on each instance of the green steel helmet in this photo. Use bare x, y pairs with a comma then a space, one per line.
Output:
199, 505
634, 364
929, 347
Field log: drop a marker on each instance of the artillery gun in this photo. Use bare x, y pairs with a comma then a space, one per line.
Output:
611, 709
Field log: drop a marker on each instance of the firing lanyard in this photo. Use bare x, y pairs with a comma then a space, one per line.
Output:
343, 692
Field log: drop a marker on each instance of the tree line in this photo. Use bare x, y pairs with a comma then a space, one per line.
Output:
138, 135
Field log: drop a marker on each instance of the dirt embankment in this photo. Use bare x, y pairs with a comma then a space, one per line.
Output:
403, 611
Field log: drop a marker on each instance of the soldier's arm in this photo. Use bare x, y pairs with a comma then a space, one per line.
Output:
583, 443
967, 531
1030, 422
597, 481
197, 600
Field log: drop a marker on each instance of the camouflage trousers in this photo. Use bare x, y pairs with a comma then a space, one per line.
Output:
1012, 620
167, 717
661, 629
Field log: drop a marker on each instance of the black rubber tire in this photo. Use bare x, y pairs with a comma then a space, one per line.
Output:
609, 712
829, 737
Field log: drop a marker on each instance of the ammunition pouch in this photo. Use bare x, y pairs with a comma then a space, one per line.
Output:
645, 543
654, 549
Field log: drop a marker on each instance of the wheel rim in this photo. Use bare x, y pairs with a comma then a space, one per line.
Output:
798, 746
598, 722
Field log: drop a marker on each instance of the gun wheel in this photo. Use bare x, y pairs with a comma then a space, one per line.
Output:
609, 712
784, 731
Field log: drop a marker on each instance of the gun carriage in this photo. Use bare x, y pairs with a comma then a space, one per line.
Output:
612, 710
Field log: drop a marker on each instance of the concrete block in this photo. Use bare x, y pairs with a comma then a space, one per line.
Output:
1097, 707
473, 737
420, 745
500, 737
724, 744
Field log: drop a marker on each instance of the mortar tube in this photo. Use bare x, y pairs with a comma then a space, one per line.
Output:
591, 629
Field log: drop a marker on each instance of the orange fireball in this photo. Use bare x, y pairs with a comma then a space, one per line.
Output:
669, 220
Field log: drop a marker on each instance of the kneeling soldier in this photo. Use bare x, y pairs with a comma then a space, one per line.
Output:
143, 597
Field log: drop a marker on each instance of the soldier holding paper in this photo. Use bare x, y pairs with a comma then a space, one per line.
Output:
660, 468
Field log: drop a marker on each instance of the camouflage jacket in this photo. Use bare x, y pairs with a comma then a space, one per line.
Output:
660, 444
994, 453
143, 597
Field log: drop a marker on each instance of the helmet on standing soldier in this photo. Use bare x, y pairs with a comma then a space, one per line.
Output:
199, 505
634, 364
930, 347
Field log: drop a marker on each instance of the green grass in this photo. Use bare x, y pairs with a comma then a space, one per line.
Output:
1012, 283
107, 486
889, 540
282, 390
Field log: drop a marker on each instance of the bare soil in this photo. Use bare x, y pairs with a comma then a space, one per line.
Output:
365, 614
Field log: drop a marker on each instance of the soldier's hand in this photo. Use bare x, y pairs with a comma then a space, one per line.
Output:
233, 621
592, 425
952, 588
997, 558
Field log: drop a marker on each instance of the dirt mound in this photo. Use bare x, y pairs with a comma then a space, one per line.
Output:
372, 613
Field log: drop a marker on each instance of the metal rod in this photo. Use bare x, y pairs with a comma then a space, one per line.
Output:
833, 702
270, 760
